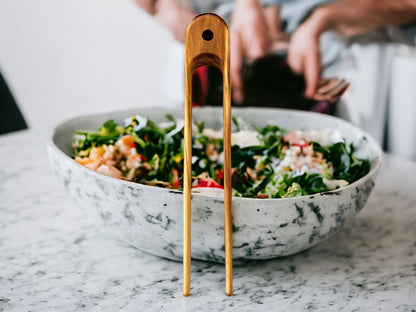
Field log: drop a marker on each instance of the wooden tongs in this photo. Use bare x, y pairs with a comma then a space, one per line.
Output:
207, 42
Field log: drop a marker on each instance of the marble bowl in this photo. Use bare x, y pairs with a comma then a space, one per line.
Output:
150, 218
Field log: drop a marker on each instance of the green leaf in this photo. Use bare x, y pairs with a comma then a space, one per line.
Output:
108, 128
235, 121
163, 149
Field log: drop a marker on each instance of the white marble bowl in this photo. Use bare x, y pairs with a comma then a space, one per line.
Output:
150, 218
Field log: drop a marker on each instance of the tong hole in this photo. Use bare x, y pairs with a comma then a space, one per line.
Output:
207, 35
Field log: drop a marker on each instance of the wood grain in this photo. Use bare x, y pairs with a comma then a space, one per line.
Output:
203, 49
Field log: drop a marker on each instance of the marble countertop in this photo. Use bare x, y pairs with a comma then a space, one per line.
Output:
53, 257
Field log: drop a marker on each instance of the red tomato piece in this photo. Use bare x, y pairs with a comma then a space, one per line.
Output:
301, 144
175, 180
208, 183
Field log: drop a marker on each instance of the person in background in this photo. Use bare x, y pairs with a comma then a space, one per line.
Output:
321, 41
254, 27
349, 18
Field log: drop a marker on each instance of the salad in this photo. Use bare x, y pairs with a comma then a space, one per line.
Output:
267, 162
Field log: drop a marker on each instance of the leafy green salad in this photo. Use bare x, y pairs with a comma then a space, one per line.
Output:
267, 162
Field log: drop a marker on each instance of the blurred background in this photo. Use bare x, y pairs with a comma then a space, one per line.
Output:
61, 59
69, 58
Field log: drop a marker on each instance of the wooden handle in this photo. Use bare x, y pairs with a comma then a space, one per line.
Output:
207, 42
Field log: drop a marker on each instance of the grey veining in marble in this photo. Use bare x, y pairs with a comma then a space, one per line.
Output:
53, 257
151, 219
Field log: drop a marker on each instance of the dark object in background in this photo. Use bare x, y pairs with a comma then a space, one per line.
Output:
11, 119
268, 82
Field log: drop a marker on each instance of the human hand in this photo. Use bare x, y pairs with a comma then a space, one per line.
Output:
304, 54
147, 5
348, 18
174, 17
304, 57
249, 39
279, 40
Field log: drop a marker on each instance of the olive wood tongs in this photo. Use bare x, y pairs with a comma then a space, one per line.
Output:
207, 42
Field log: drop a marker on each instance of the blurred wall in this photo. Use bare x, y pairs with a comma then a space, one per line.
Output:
67, 58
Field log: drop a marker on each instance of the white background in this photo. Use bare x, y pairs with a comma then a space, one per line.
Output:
68, 58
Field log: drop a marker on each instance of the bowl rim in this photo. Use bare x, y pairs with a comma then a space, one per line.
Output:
375, 163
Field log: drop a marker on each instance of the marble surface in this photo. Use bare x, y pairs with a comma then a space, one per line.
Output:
54, 257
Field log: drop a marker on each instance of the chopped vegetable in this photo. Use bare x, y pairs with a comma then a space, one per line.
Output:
267, 162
